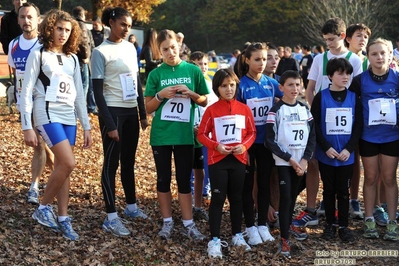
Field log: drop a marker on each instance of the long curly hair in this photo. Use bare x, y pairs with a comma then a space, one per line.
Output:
46, 29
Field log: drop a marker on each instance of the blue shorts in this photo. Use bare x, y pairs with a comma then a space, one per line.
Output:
54, 133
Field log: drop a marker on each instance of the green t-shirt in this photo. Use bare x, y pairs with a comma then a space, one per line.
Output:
165, 132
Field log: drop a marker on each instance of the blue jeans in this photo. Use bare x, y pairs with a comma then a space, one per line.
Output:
91, 103
84, 71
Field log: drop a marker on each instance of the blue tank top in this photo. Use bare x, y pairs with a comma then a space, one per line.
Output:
20, 56
259, 96
336, 133
375, 129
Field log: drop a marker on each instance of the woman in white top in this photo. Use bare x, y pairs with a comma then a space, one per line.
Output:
52, 78
120, 101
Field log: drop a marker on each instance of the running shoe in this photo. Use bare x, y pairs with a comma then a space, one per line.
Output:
285, 248
380, 216
329, 232
67, 230
345, 234
299, 233
215, 247
304, 219
200, 214
369, 229
192, 232
392, 232
253, 236
166, 230
336, 222
265, 233
385, 207
321, 211
33, 196
238, 240
47, 218
138, 213
116, 227
354, 210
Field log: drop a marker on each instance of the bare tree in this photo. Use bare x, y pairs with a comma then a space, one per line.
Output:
373, 13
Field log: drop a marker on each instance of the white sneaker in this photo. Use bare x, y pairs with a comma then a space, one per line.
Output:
264, 233
215, 247
238, 240
253, 236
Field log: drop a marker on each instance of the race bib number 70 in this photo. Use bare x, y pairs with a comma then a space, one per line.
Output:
177, 109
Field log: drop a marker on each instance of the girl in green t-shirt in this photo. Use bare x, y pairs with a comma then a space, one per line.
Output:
172, 91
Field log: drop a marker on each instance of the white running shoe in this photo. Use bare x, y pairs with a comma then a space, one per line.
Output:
215, 247
253, 236
264, 233
238, 240
116, 226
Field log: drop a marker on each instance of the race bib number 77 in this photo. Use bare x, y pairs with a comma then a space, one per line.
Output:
228, 129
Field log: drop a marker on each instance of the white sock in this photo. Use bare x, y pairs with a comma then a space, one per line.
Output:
187, 222
41, 206
62, 218
112, 216
371, 217
167, 220
34, 185
132, 207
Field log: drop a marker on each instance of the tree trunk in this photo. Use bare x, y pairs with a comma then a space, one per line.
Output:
58, 4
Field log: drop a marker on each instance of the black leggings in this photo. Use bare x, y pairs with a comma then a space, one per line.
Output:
336, 183
184, 156
227, 179
124, 151
289, 188
264, 163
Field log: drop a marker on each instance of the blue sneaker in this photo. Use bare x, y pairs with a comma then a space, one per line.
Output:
354, 210
380, 216
47, 218
385, 207
136, 214
67, 230
321, 211
304, 219
33, 196
116, 227
299, 233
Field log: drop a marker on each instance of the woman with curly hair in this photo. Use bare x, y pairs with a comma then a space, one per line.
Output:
52, 91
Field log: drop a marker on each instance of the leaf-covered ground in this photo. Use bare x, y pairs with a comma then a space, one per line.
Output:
24, 242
